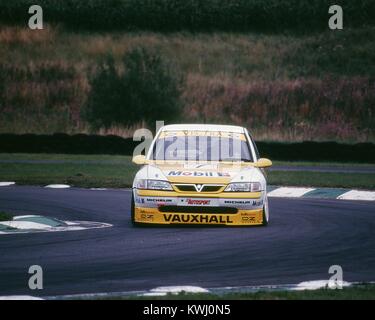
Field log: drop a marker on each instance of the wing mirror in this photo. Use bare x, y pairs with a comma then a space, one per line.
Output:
263, 163
140, 159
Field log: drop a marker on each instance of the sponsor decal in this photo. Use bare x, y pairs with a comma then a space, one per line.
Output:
238, 202
249, 219
196, 218
182, 173
155, 201
158, 200
247, 214
255, 203
139, 200
198, 202
147, 216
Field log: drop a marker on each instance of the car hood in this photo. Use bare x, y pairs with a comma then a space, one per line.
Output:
202, 172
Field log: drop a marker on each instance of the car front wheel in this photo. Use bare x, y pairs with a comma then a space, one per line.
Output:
132, 211
266, 216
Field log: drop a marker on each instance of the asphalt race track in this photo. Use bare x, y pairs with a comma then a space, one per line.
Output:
305, 237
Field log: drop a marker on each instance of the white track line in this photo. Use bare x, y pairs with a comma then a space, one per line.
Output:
7, 183
26, 225
177, 289
19, 298
319, 284
26, 216
34, 227
358, 195
58, 186
163, 291
288, 192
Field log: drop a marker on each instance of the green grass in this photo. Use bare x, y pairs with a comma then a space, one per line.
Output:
119, 171
357, 292
316, 164
65, 157
5, 216
247, 56
322, 179
80, 175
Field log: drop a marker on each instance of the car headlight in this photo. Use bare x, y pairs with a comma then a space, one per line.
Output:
153, 184
244, 187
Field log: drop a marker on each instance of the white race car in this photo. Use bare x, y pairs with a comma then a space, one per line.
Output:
201, 174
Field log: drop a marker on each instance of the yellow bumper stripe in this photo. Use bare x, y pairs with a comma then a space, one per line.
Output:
226, 195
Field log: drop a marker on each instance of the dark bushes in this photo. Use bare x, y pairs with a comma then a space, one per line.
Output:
202, 15
67, 144
318, 151
93, 144
148, 90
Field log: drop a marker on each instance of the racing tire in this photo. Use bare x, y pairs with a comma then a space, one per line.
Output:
265, 221
132, 212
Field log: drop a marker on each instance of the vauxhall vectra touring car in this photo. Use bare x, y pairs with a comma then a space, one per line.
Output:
201, 174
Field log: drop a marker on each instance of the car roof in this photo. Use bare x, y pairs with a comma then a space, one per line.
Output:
203, 127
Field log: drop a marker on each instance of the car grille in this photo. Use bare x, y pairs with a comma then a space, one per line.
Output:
193, 188
188, 209
186, 188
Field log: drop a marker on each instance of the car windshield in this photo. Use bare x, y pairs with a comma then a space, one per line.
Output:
202, 147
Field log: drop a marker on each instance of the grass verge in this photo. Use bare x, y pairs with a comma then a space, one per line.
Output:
320, 164
5, 216
357, 292
79, 175
118, 172
322, 179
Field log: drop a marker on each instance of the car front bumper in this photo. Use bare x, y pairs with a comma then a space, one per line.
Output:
169, 207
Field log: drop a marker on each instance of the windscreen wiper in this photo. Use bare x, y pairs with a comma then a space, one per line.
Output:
235, 160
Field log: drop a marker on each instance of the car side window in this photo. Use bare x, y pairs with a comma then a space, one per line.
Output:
255, 146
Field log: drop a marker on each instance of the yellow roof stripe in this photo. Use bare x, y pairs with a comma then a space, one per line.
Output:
196, 133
